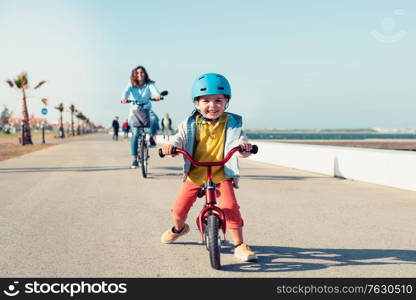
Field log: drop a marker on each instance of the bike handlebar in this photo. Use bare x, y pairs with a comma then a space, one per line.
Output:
135, 101
164, 93
254, 150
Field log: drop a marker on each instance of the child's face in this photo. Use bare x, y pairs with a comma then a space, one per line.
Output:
211, 106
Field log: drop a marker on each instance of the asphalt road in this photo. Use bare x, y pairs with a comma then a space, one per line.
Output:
77, 210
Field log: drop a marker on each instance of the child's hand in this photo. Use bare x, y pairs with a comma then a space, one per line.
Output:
167, 149
246, 146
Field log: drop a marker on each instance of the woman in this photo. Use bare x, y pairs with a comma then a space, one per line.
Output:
141, 88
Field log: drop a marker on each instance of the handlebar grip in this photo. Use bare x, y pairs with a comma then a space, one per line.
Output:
254, 149
163, 155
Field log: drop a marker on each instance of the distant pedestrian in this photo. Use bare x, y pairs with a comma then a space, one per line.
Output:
126, 129
166, 126
116, 127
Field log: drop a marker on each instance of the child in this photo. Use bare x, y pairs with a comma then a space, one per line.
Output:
207, 135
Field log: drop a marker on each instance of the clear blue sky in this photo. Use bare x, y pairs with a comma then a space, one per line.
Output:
291, 64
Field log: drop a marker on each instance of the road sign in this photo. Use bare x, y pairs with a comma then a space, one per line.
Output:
44, 111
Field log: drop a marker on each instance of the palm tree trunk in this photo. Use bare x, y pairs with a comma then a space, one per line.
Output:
72, 124
26, 136
62, 127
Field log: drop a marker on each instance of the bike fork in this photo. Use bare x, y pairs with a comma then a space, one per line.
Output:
209, 209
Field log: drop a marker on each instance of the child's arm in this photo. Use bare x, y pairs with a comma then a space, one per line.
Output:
243, 141
178, 140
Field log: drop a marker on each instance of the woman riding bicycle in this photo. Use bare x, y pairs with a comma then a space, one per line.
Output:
141, 88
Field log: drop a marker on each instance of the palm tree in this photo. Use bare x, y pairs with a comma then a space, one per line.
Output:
81, 117
89, 125
21, 82
61, 108
73, 110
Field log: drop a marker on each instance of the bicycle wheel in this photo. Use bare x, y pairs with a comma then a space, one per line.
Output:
212, 239
143, 157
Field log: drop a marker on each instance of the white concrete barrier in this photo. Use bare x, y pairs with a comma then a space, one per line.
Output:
388, 167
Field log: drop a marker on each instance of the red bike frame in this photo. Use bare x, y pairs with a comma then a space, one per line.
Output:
210, 191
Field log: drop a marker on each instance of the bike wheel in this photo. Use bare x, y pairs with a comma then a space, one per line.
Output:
212, 239
143, 157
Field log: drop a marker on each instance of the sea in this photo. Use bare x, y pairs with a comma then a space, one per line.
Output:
329, 136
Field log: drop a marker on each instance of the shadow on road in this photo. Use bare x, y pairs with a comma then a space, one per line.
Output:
270, 177
169, 168
170, 174
254, 177
61, 169
285, 259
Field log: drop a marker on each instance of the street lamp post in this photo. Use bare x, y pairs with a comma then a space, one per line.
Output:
43, 132
44, 111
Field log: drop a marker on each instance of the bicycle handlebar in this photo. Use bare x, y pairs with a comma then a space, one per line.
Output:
135, 101
164, 93
254, 150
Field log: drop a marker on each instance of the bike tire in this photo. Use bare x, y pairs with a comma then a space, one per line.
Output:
143, 157
145, 165
213, 241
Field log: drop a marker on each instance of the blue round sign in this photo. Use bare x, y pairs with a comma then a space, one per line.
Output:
44, 111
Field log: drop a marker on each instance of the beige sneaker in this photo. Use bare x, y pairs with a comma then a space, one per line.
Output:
169, 236
244, 253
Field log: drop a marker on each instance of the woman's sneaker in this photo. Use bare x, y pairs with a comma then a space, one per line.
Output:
152, 142
244, 253
169, 236
134, 164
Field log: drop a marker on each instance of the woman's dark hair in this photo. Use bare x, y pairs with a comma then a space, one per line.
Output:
134, 81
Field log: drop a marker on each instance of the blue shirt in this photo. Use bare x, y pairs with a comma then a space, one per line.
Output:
142, 95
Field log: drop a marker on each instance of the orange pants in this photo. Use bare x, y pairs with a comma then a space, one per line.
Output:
225, 198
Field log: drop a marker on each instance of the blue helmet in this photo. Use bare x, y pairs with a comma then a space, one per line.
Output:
210, 84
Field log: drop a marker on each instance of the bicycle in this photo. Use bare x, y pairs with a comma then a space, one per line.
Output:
211, 218
142, 146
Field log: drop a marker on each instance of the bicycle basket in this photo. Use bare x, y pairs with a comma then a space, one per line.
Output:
141, 118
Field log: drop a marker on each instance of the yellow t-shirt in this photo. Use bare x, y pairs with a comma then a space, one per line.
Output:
210, 141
